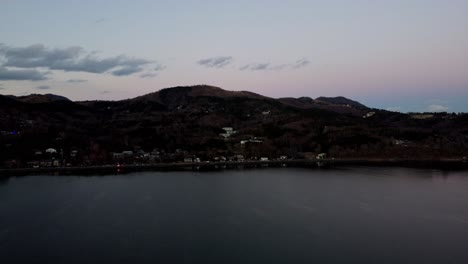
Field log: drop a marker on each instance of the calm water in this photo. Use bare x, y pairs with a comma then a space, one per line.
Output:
287, 215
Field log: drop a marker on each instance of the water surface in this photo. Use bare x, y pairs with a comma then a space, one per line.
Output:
281, 215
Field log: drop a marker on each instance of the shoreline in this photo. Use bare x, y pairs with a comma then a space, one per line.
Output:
444, 164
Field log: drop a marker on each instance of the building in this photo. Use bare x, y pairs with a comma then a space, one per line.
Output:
322, 156
369, 115
51, 151
228, 132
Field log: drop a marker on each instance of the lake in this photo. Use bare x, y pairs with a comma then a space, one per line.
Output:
268, 215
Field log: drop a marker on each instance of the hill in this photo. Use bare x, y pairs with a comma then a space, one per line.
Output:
340, 100
40, 98
176, 96
336, 104
188, 121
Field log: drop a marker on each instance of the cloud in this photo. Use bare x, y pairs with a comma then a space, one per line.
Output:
216, 62
155, 72
255, 67
148, 75
43, 87
94, 65
76, 81
437, 108
269, 67
21, 75
279, 67
300, 63
71, 59
160, 67
97, 21
127, 70
37, 55
259, 67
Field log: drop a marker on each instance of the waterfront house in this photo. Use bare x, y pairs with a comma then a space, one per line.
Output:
322, 156
228, 132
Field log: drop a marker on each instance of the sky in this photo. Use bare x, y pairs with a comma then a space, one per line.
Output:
399, 55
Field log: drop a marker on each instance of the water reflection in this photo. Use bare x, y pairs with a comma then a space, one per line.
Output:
4, 180
280, 215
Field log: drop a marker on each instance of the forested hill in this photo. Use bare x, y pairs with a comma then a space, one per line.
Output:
190, 120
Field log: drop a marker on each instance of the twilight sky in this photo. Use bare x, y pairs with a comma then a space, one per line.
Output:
403, 55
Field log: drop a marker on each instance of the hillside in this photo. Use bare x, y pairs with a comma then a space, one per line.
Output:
181, 95
188, 121
340, 100
40, 98
336, 104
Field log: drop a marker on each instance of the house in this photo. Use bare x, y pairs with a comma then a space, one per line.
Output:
228, 132
45, 163
400, 142
33, 164
252, 140
422, 116
263, 159
283, 157
369, 115
188, 160
117, 155
51, 151
127, 153
321, 156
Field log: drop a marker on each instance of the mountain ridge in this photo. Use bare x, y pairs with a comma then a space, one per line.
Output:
208, 122
174, 97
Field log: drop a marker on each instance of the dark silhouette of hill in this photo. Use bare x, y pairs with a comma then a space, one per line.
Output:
7, 100
181, 95
40, 98
335, 104
192, 118
340, 100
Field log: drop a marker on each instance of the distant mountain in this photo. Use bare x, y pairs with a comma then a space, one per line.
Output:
340, 100
336, 104
40, 98
7, 100
181, 95
302, 102
192, 118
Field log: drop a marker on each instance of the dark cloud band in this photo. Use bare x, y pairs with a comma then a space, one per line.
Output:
269, 67
215, 62
22, 75
71, 59
43, 87
76, 81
